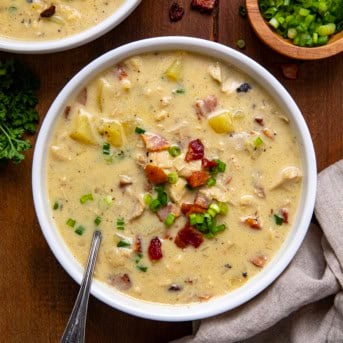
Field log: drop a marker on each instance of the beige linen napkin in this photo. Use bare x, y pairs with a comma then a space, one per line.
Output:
305, 304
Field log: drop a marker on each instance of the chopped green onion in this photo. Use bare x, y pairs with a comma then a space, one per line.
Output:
174, 150
155, 205
199, 218
221, 166
180, 91
80, 230
139, 130
219, 228
278, 219
215, 207
86, 197
71, 222
192, 219
291, 33
123, 244
212, 212
56, 205
241, 43
120, 224
162, 196
304, 12
273, 22
258, 142
326, 30
147, 199
172, 178
169, 219
138, 257
97, 220
142, 268
223, 208
211, 181
106, 149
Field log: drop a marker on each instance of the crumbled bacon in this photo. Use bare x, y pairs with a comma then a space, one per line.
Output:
284, 213
290, 70
201, 200
155, 249
67, 112
176, 12
155, 174
203, 5
49, 12
82, 96
154, 142
205, 106
259, 261
268, 133
207, 164
120, 281
137, 246
195, 150
197, 178
120, 72
188, 209
259, 121
188, 236
253, 223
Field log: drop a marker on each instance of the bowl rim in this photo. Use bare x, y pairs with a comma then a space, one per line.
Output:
285, 47
73, 41
218, 304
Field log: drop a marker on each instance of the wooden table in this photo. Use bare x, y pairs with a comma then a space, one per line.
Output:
36, 294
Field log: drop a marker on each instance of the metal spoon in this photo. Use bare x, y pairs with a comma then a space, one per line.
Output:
75, 329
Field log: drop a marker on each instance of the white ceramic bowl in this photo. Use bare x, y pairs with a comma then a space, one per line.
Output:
219, 304
34, 47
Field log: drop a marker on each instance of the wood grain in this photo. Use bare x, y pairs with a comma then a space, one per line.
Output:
285, 46
36, 295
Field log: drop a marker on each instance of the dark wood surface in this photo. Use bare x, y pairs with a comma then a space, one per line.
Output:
36, 294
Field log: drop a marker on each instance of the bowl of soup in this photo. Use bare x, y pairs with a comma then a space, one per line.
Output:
193, 161
41, 26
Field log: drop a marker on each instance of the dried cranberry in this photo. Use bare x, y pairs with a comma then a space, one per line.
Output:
195, 150
203, 5
259, 121
284, 213
155, 249
176, 12
207, 164
49, 12
188, 236
290, 70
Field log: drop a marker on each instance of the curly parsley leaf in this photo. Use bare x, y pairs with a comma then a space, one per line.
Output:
18, 88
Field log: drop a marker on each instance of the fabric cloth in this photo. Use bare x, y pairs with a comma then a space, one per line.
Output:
305, 304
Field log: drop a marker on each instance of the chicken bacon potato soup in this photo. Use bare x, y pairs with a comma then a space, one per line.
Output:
41, 20
188, 168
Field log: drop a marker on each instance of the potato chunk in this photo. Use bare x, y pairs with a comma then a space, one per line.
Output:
82, 131
112, 131
221, 122
105, 93
174, 70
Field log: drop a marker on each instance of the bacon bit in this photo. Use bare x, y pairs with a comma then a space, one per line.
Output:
268, 133
207, 164
228, 180
290, 70
259, 261
155, 249
189, 281
198, 178
201, 200
203, 5
49, 12
163, 212
154, 142
176, 12
120, 281
120, 72
259, 121
137, 246
253, 223
205, 106
188, 236
67, 112
188, 209
195, 150
82, 96
284, 213
155, 174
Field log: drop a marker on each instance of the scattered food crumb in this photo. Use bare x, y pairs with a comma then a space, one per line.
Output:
176, 12
240, 44
206, 6
290, 70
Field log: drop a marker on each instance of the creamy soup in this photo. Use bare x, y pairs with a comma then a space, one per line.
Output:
47, 20
188, 168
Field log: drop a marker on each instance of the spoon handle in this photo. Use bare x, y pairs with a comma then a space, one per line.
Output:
75, 329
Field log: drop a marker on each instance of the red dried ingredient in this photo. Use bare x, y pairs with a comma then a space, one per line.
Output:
259, 121
155, 174
198, 178
154, 142
176, 12
120, 281
67, 112
195, 150
207, 164
82, 96
253, 223
137, 246
188, 209
228, 180
259, 261
188, 236
155, 249
284, 213
203, 5
49, 12
120, 72
290, 70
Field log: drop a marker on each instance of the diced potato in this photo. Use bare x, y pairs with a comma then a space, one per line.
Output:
221, 122
105, 93
215, 72
174, 70
82, 129
113, 132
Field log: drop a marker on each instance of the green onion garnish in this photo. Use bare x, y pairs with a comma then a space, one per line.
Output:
215, 207
211, 181
71, 222
80, 230
142, 268
106, 149
56, 205
174, 150
240, 44
258, 142
154, 205
180, 91
147, 199
86, 197
162, 196
138, 257
223, 208
278, 219
97, 220
123, 244
172, 178
120, 224
139, 130
169, 219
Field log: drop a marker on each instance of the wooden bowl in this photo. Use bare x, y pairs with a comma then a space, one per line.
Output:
285, 46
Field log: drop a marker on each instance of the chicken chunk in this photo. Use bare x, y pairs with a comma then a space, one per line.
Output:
177, 190
289, 175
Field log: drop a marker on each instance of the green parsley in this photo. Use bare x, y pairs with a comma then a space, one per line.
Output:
86, 197
120, 224
71, 222
139, 130
142, 268
56, 205
123, 244
106, 149
97, 220
80, 230
278, 219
